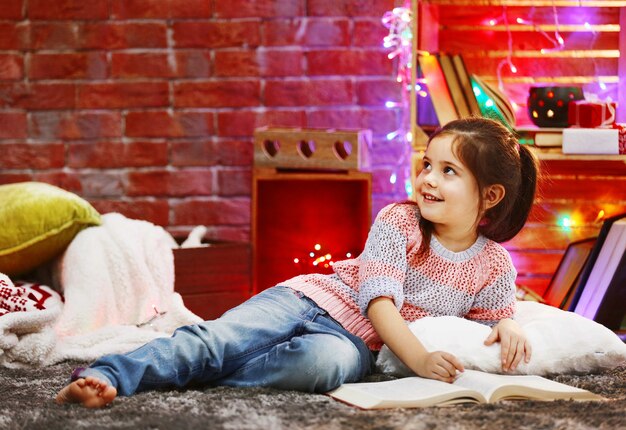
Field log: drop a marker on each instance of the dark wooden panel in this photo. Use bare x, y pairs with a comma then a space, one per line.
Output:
217, 267
221, 268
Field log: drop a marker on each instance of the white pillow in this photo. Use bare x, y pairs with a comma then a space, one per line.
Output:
562, 342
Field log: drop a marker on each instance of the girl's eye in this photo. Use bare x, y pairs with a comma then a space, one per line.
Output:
427, 166
449, 171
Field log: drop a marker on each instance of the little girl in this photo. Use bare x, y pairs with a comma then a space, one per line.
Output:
315, 332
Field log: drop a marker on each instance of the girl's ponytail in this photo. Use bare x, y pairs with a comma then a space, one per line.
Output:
507, 218
526, 192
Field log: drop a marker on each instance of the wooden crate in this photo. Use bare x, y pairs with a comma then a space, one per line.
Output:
214, 278
293, 211
294, 148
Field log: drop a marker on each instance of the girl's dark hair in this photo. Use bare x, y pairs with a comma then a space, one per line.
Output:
494, 156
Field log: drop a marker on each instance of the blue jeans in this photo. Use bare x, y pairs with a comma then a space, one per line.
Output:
279, 338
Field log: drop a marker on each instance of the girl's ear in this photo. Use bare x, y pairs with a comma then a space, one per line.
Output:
493, 195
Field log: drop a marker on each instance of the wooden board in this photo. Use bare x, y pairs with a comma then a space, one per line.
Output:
294, 148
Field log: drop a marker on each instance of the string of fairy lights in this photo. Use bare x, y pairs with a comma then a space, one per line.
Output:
399, 42
319, 259
556, 40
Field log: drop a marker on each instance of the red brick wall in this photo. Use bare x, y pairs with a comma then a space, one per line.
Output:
147, 107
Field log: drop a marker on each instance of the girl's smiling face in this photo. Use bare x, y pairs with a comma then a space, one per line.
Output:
447, 192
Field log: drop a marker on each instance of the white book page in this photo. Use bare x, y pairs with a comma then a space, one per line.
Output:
493, 386
404, 392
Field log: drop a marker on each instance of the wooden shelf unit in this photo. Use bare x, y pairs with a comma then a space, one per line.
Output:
594, 50
578, 186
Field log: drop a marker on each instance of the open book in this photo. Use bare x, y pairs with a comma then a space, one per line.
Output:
471, 386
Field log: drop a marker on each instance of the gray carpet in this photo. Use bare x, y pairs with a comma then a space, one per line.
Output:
26, 402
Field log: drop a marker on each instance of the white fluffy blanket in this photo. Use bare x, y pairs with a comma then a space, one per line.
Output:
117, 281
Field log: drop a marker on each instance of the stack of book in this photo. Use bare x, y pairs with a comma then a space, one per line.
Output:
575, 140
544, 137
455, 93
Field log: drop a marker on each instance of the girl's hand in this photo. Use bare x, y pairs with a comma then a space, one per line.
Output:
438, 365
514, 344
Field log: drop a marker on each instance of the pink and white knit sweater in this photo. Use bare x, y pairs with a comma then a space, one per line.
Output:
478, 283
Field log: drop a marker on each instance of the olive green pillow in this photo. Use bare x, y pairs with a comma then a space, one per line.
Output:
37, 222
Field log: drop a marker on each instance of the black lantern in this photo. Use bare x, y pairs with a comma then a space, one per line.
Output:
547, 106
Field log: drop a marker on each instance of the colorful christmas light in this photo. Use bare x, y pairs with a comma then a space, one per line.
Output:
400, 43
399, 40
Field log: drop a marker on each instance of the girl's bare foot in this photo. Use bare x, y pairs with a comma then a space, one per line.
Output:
90, 392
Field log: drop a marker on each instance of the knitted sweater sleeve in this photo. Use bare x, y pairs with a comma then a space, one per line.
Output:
496, 300
383, 263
